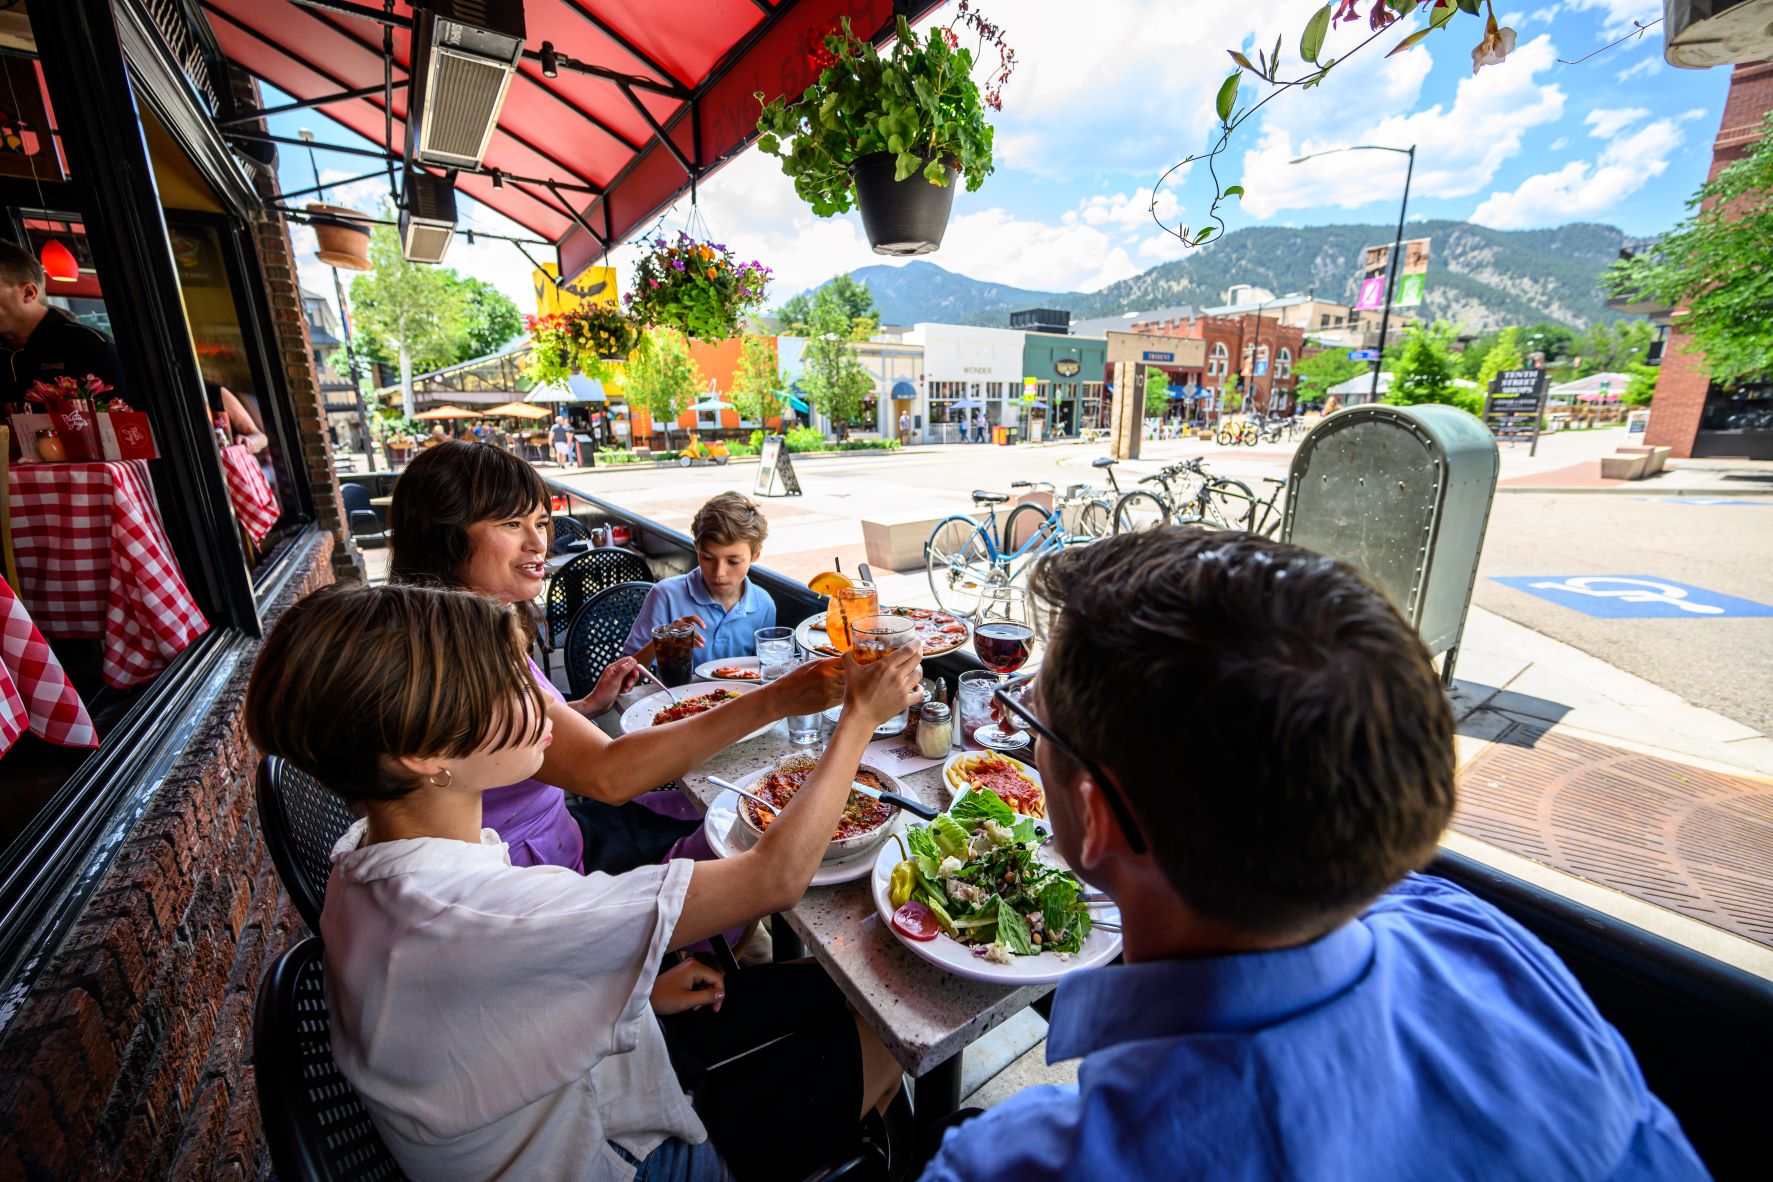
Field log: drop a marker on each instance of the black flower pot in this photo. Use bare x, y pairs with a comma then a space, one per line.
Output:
901, 217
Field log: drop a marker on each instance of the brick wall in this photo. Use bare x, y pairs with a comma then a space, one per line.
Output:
1684, 381
129, 1056
295, 351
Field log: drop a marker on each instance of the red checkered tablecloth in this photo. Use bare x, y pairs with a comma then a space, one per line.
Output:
94, 562
254, 502
34, 691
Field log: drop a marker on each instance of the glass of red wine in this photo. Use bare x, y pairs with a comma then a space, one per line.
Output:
1003, 635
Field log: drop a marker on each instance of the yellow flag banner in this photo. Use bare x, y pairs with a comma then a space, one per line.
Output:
597, 284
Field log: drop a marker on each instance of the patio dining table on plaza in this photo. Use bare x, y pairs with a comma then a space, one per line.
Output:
35, 694
924, 1015
94, 563
249, 492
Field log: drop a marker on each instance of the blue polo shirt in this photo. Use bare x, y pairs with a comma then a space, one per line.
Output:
1433, 1037
729, 633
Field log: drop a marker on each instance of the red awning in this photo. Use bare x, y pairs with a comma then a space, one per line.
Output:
575, 129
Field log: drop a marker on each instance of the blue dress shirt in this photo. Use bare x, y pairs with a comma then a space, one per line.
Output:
1431, 1038
729, 633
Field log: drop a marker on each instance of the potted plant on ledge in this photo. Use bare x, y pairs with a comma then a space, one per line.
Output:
699, 288
584, 340
890, 133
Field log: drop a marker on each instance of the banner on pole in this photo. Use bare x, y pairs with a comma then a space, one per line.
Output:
1412, 276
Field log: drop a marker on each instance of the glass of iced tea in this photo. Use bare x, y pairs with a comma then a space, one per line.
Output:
674, 647
849, 604
873, 637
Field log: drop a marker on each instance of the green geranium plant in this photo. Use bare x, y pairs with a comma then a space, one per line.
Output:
918, 101
697, 287
585, 340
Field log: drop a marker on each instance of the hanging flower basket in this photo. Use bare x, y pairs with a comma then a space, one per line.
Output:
586, 340
891, 134
696, 287
343, 240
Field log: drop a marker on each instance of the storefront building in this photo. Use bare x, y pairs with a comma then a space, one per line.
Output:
971, 375
896, 368
1068, 377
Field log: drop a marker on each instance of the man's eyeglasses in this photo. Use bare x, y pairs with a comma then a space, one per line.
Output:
1009, 697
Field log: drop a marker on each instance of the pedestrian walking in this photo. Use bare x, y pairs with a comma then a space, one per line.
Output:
562, 439
978, 427
904, 427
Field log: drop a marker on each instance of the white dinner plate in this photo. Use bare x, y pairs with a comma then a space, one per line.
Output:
1023, 766
727, 837
639, 716
705, 671
946, 952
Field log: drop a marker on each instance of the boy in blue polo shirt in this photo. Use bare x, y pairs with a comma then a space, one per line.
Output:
717, 597
1296, 1002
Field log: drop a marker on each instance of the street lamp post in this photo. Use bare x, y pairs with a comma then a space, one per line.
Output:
1397, 243
338, 287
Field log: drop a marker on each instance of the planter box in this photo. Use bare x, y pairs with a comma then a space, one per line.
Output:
1623, 467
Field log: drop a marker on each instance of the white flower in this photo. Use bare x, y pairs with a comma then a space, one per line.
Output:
1497, 44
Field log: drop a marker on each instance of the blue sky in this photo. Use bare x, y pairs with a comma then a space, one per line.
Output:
1107, 97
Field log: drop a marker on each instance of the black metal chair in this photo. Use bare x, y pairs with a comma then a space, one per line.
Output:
316, 1126
570, 529
360, 515
576, 582
302, 820
594, 638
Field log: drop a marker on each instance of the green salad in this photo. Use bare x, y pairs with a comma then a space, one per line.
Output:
976, 868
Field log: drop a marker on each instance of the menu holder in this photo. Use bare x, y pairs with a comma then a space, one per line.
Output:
125, 435
110, 435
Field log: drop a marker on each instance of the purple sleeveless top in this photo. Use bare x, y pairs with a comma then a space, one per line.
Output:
531, 818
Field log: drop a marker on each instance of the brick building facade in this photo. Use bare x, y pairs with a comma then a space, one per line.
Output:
1684, 383
1234, 345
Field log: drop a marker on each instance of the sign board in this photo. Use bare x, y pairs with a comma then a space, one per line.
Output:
1261, 366
1363, 354
1622, 597
1515, 406
1412, 275
1067, 367
1157, 355
596, 284
775, 467
1156, 349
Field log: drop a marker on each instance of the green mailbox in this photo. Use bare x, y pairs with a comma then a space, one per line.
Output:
1402, 493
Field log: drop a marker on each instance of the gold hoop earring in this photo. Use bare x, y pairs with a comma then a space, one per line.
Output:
449, 776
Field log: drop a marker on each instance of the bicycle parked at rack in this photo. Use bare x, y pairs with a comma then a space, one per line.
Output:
1246, 432
964, 555
1186, 493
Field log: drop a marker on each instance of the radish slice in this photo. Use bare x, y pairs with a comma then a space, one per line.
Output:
916, 921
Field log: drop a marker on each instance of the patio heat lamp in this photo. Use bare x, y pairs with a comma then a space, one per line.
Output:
59, 262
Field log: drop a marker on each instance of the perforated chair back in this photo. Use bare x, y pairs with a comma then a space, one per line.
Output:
595, 636
576, 582
570, 529
301, 821
315, 1125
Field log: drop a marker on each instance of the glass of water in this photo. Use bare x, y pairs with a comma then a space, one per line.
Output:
775, 652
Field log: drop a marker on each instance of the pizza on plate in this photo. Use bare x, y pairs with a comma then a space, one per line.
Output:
940, 632
738, 673
690, 707
1000, 774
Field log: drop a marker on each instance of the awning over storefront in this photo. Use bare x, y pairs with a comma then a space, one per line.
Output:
904, 391
798, 405
644, 94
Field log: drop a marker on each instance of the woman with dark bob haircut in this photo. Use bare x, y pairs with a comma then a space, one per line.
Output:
471, 516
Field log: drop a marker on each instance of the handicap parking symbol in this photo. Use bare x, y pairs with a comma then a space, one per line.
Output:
1620, 597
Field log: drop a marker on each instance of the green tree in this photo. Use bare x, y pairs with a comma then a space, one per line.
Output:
1642, 386
796, 314
834, 379
1157, 391
663, 378
1612, 347
1504, 354
490, 321
414, 310
1325, 368
1717, 268
1426, 371
757, 387
1556, 341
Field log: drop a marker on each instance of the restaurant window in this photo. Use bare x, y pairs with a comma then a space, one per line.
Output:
1283, 365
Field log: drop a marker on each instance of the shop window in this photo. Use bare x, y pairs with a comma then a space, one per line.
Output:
1283, 365
1219, 363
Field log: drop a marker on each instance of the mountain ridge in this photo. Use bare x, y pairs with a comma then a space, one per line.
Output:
1480, 278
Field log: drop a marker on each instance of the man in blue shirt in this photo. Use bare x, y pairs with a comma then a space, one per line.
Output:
718, 597
1247, 748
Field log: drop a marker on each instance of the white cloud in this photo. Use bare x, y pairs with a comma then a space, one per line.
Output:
1559, 144
1607, 122
1459, 146
1649, 64
1122, 211
1584, 189
1617, 15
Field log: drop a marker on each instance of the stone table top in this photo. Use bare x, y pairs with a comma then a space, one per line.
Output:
923, 1014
